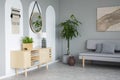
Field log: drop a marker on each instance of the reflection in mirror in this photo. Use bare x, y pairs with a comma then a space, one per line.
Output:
36, 22
36, 19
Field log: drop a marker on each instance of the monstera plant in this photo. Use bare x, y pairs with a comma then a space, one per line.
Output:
70, 30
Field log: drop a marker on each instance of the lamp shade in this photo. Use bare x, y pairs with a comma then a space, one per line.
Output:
44, 35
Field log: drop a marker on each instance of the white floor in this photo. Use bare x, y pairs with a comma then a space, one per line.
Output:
60, 71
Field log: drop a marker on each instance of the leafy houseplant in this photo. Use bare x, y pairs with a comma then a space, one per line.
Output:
69, 30
27, 43
27, 39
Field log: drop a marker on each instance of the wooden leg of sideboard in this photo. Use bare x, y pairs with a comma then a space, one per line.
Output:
47, 66
25, 72
16, 72
83, 61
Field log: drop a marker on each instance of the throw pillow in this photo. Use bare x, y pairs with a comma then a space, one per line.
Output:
98, 48
108, 48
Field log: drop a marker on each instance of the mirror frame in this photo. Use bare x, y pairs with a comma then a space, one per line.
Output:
31, 16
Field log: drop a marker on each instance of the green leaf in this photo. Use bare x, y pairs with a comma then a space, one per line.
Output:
27, 39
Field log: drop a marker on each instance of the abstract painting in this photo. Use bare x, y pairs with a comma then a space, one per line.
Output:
108, 19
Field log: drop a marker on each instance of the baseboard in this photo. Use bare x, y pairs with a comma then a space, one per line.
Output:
3, 77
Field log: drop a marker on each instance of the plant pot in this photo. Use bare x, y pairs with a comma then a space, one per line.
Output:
71, 61
65, 58
27, 46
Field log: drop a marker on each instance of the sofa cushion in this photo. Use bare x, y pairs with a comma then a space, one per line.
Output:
99, 55
91, 44
98, 48
108, 48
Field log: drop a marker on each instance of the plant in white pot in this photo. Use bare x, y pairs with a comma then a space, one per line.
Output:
69, 31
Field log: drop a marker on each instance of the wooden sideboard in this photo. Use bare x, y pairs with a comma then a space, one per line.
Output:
24, 59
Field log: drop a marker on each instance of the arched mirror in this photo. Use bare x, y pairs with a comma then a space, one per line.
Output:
36, 19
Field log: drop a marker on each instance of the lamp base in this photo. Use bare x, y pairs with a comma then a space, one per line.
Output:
43, 43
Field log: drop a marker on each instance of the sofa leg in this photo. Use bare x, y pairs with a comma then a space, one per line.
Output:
83, 61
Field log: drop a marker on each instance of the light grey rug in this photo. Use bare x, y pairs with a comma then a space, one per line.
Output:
59, 71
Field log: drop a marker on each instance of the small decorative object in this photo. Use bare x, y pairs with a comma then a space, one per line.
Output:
15, 20
43, 43
44, 40
71, 60
108, 19
69, 31
27, 43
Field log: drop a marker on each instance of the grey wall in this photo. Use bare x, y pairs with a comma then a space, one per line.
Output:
2, 37
25, 3
85, 11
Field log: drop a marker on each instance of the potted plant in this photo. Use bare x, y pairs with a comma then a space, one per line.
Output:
69, 31
27, 43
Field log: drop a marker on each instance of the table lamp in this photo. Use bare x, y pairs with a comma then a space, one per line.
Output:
44, 39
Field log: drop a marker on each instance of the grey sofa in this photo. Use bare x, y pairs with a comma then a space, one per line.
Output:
110, 53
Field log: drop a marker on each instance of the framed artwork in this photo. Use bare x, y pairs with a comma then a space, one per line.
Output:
15, 20
108, 19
